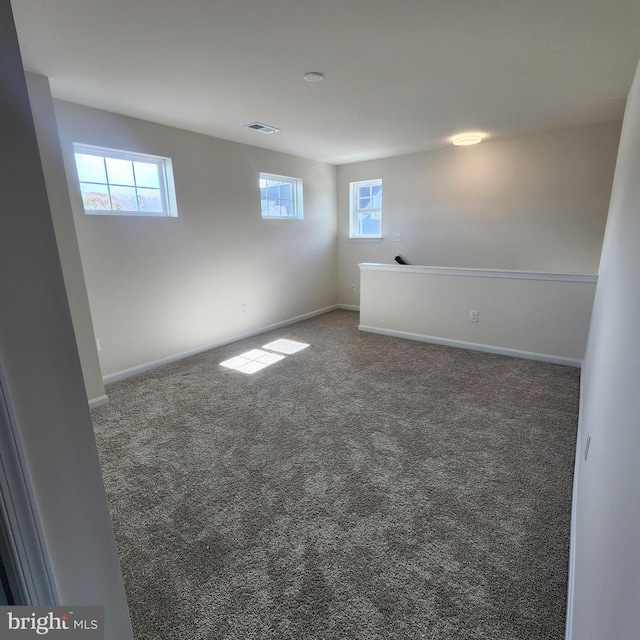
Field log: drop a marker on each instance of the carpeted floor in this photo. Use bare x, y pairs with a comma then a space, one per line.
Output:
366, 487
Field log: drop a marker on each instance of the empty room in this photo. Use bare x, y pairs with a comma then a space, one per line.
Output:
320, 320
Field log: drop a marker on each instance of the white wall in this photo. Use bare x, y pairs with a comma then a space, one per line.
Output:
536, 203
42, 368
606, 532
58, 193
164, 286
525, 314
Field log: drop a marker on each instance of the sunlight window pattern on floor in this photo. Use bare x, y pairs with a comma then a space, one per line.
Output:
257, 359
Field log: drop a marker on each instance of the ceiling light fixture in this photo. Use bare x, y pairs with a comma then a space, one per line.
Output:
313, 76
465, 139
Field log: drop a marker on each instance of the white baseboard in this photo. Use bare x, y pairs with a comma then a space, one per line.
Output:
149, 366
100, 401
348, 307
473, 346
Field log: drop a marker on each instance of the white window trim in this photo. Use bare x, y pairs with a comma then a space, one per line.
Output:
167, 186
298, 199
353, 211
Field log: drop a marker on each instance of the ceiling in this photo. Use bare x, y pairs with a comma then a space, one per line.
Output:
401, 76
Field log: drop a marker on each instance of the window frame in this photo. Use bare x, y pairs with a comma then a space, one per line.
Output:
296, 196
165, 180
355, 212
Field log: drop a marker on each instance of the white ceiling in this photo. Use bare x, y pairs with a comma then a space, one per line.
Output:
400, 75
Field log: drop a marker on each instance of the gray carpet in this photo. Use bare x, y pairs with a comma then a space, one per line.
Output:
366, 487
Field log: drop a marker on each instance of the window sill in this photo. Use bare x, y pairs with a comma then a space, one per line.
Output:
129, 214
282, 218
365, 239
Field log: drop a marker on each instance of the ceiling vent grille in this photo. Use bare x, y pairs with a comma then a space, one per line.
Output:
262, 128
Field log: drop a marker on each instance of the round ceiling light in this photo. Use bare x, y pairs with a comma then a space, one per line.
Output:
313, 76
465, 139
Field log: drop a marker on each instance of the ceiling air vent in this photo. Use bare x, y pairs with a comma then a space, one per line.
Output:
263, 128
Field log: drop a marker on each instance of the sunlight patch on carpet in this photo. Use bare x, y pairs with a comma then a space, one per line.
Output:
285, 346
252, 361
257, 359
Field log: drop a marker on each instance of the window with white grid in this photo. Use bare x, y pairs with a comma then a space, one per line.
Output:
365, 215
116, 182
280, 197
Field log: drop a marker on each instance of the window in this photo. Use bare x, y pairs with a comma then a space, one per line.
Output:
280, 197
114, 182
365, 220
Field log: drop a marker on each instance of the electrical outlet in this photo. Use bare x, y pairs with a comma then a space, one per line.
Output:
473, 316
353, 288
244, 308
397, 237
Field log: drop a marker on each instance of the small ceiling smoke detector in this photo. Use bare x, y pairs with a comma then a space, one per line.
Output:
313, 76
262, 128
465, 139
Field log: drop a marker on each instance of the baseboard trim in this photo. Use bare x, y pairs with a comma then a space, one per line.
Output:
348, 307
473, 346
100, 401
155, 364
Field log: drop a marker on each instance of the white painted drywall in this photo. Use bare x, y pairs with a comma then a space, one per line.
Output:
42, 368
163, 286
536, 203
543, 316
58, 192
606, 561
